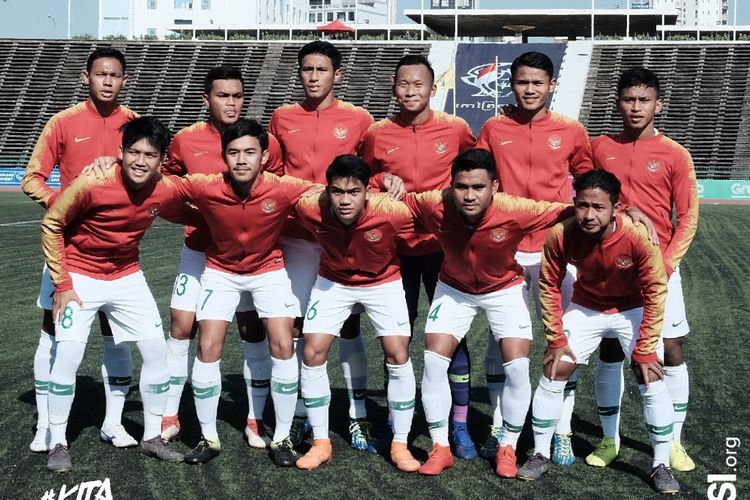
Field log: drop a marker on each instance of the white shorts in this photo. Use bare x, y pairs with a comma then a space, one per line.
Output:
675, 319
46, 290
453, 311
331, 303
586, 328
187, 284
301, 259
127, 303
531, 262
221, 292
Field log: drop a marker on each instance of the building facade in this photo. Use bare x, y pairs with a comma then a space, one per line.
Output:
696, 12
352, 11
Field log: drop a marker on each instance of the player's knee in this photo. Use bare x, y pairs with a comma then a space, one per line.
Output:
610, 351
397, 358
209, 350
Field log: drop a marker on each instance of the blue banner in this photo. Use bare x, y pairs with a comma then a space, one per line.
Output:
479, 82
11, 177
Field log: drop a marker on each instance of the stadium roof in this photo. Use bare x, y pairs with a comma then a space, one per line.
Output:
546, 22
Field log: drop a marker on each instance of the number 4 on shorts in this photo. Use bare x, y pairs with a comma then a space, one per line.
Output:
209, 292
434, 313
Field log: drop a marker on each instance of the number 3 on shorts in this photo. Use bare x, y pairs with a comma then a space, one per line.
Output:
180, 284
434, 313
209, 292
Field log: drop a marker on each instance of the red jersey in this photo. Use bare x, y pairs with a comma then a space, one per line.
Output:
656, 175
197, 150
536, 159
363, 254
72, 139
621, 272
310, 140
422, 156
245, 233
95, 226
481, 259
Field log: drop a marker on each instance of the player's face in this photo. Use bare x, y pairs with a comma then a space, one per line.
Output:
348, 196
225, 102
413, 87
105, 80
638, 106
594, 211
472, 193
140, 163
245, 158
532, 87
318, 76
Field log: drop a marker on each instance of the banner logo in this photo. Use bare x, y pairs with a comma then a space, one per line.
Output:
490, 80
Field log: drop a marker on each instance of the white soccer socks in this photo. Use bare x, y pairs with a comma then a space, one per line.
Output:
44, 357
678, 384
608, 386
284, 386
117, 371
62, 387
402, 388
659, 416
154, 384
178, 354
353, 358
515, 400
257, 373
569, 402
206, 392
495, 376
316, 393
436, 396
546, 410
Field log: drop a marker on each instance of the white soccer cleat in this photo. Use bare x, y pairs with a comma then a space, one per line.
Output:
255, 433
41, 441
118, 437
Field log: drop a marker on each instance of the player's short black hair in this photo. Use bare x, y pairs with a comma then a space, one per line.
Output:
221, 73
413, 60
536, 60
473, 159
323, 48
146, 127
346, 166
241, 128
637, 77
101, 53
606, 181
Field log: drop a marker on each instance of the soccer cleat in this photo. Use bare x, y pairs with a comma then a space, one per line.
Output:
117, 436
463, 446
439, 459
664, 480
402, 457
158, 447
170, 427
604, 453
505, 461
58, 460
320, 453
359, 432
299, 430
204, 452
562, 449
534, 467
489, 448
283, 453
40, 444
256, 434
679, 460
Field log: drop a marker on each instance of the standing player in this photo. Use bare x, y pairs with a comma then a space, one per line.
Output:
71, 140
536, 151
419, 145
358, 265
657, 175
311, 134
620, 290
90, 238
479, 231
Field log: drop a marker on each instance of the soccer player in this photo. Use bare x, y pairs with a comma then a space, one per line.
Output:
620, 291
197, 149
358, 265
479, 231
658, 175
72, 139
90, 239
536, 151
419, 145
311, 134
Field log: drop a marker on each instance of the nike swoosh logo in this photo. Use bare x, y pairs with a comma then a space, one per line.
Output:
81, 139
200, 391
674, 325
293, 130
359, 394
608, 158
503, 143
402, 323
288, 305
200, 153
287, 390
120, 380
523, 327
389, 151
158, 325
321, 231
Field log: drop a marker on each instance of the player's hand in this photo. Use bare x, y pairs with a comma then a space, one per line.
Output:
651, 371
60, 301
98, 168
552, 359
394, 185
640, 218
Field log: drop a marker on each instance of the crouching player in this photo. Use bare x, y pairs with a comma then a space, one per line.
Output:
358, 265
620, 292
90, 239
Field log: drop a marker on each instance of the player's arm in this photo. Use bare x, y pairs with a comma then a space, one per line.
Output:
532, 215
426, 209
45, 156
466, 139
275, 163
483, 142
685, 193
174, 164
582, 159
365, 124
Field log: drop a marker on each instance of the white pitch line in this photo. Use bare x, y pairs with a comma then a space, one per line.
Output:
21, 223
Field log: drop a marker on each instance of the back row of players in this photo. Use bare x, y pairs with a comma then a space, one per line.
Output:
469, 246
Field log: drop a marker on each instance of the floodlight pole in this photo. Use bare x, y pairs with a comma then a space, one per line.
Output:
627, 21
734, 22
69, 1
421, 20
593, 6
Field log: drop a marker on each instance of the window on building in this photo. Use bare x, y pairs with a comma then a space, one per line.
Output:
205, 4
183, 21
311, 17
350, 16
183, 4
151, 5
329, 16
151, 31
